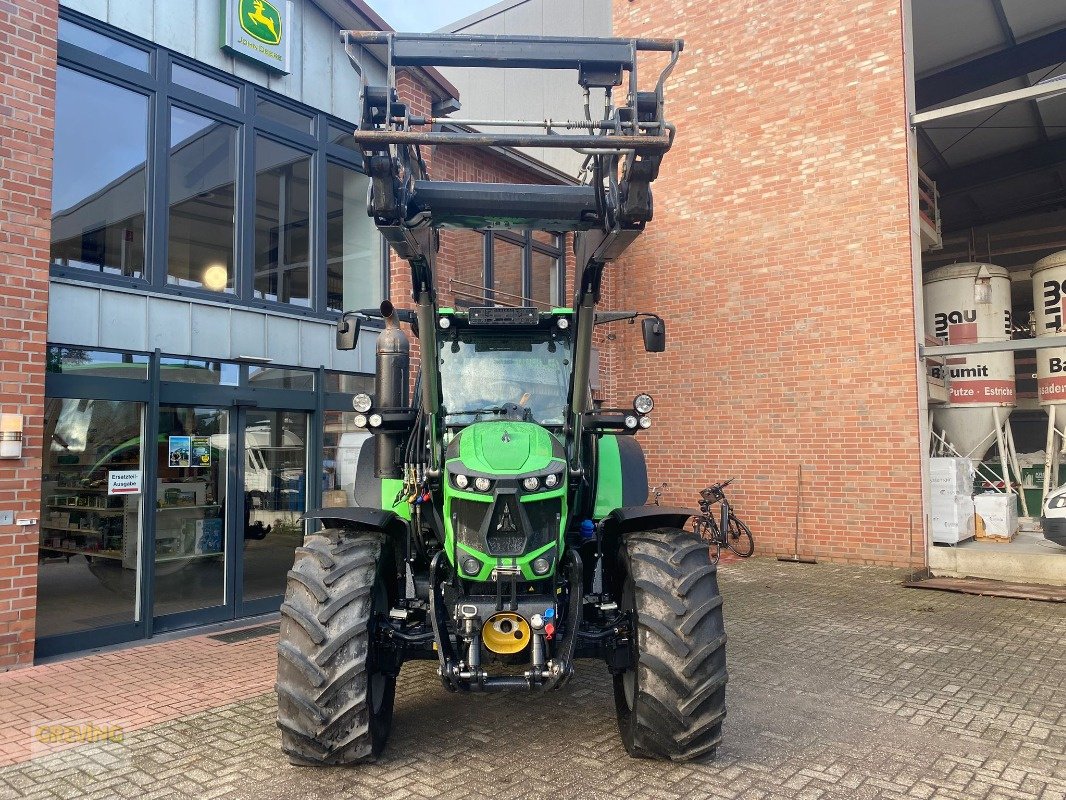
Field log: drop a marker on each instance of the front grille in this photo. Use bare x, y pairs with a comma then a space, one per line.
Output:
513, 529
543, 516
469, 517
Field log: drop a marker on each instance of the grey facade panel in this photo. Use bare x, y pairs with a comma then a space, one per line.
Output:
352, 360
247, 334
211, 331
123, 321
283, 340
316, 343
169, 325
73, 315
320, 77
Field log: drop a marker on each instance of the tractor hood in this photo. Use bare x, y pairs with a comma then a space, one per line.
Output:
504, 447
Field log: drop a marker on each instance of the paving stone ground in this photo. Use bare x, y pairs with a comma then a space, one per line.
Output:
843, 684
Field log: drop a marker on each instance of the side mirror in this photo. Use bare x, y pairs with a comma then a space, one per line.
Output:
654, 330
348, 331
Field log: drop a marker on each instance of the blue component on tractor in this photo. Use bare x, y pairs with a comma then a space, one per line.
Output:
588, 530
549, 613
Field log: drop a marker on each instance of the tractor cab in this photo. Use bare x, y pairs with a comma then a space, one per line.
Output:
493, 368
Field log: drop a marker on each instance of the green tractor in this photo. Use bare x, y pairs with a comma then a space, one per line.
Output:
501, 525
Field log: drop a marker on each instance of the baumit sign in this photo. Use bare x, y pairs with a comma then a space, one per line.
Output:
258, 30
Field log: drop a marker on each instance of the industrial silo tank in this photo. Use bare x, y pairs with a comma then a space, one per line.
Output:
968, 304
1049, 299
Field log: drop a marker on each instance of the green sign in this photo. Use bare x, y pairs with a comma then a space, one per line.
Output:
258, 30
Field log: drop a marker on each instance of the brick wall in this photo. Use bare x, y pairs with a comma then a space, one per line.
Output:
27, 102
780, 256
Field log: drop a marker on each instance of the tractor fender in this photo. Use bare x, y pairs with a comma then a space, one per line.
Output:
361, 518
621, 474
642, 518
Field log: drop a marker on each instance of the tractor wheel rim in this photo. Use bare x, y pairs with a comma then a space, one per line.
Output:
629, 677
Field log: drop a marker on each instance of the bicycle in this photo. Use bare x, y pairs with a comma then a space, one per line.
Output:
657, 492
727, 530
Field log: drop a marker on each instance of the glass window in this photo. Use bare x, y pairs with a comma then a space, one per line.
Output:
102, 45
342, 136
90, 526
349, 383
353, 246
198, 82
466, 250
342, 441
275, 498
196, 370
103, 162
203, 165
281, 378
545, 274
282, 223
480, 374
98, 195
507, 272
96, 363
283, 114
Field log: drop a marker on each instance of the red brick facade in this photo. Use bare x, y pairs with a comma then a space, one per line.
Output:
27, 104
780, 256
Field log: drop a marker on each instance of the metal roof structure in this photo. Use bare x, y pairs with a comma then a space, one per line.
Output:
1007, 160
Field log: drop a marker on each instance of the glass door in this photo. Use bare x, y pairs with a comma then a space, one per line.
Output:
274, 485
90, 529
191, 578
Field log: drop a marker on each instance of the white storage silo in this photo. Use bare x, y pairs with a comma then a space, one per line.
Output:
1049, 284
969, 304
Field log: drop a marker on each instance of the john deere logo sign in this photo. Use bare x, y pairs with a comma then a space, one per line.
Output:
258, 30
261, 20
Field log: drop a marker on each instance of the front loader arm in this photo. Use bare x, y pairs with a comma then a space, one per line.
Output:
607, 211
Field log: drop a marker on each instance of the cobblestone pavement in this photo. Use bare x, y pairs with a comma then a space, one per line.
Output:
842, 684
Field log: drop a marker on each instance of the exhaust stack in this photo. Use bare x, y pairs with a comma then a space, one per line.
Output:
393, 367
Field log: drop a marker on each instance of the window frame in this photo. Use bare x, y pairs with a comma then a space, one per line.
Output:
163, 93
529, 245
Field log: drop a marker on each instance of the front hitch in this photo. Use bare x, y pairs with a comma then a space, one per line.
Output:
469, 675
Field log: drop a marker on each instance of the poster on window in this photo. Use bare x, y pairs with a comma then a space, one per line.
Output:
178, 450
201, 451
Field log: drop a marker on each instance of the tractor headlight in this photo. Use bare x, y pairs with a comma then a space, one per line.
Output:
462, 481
645, 422
444, 323
563, 323
643, 404
471, 566
631, 421
362, 402
360, 420
531, 484
482, 484
541, 566
551, 481
374, 420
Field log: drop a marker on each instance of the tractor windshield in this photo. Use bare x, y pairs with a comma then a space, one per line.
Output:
485, 373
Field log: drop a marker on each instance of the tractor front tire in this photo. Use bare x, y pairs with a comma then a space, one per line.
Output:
671, 701
335, 686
